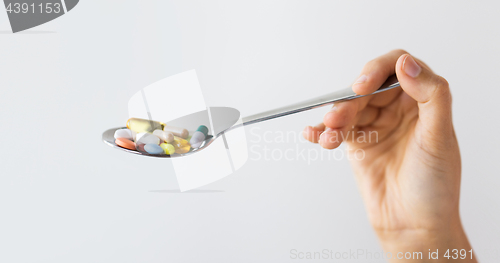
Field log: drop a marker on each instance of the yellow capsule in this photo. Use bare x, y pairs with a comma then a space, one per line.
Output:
142, 125
181, 145
168, 148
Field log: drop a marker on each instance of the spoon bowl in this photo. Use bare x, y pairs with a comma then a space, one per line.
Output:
108, 137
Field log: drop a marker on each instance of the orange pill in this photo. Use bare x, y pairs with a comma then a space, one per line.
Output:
127, 144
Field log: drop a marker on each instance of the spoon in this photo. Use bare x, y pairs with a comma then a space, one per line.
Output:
224, 118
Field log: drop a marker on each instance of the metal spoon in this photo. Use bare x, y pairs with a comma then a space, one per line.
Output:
223, 118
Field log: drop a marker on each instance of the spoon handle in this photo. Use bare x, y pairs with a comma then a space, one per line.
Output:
341, 95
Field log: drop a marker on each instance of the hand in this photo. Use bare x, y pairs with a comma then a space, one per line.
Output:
409, 175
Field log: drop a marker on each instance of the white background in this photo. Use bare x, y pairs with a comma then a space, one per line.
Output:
66, 197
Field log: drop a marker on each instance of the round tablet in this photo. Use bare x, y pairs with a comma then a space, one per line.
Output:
127, 144
153, 149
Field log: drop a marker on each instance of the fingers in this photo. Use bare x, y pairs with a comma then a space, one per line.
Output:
376, 72
332, 138
430, 91
312, 133
338, 120
385, 98
341, 114
342, 117
341, 120
367, 116
421, 86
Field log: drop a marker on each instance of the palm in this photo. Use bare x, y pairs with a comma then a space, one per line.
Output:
396, 194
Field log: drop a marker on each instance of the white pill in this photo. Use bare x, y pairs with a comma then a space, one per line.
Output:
197, 139
165, 136
147, 138
125, 134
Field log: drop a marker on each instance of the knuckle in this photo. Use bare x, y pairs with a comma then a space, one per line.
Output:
400, 51
441, 83
442, 87
382, 62
372, 64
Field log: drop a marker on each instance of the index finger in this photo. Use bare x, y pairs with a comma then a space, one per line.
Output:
376, 72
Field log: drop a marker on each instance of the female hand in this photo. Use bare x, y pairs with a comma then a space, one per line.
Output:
409, 176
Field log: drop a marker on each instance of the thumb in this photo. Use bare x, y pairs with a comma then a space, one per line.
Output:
431, 91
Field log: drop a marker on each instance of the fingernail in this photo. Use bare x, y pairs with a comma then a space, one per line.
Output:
322, 137
410, 67
360, 80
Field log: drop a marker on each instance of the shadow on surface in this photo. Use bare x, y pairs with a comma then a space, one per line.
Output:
177, 191
8, 32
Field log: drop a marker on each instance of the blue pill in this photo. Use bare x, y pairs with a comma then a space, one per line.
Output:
153, 149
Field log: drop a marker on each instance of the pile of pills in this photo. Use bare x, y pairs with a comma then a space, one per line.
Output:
155, 137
